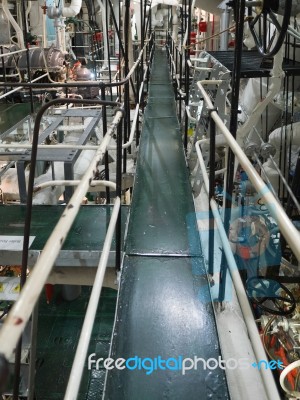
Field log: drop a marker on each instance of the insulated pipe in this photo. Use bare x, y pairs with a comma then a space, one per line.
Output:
93, 184
286, 226
71, 11
13, 22
289, 136
104, 30
29, 4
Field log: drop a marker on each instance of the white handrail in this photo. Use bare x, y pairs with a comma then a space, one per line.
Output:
20, 313
20, 87
257, 345
10, 53
86, 331
286, 226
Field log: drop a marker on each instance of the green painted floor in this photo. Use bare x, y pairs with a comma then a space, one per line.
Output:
59, 328
11, 114
164, 305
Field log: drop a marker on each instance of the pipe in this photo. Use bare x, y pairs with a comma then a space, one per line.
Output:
284, 373
29, 4
20, 87
71, 11
84, 340
93, 184
256, 342
104, 30
286, 226
13, 22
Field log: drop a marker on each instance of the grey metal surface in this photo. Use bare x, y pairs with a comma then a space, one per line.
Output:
164, 305
165, 310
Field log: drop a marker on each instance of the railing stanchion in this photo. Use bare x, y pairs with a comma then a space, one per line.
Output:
211, 239
119, 194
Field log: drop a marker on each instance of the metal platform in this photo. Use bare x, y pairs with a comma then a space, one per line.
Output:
253, 65
59, 326
84, 242
164, 305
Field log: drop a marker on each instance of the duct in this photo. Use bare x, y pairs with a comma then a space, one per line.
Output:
67, 12
289, 136
13, 22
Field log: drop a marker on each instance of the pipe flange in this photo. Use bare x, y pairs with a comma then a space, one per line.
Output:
54, 12
251, 148
266, 150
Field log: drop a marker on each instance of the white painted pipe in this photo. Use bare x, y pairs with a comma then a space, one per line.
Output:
71, 11
104, 30
257, 345
13, 22
174, 24
20, 87
84, 340
284, 373
15, 52
20, 313
286, 226
135, 119
93, 184
29, 4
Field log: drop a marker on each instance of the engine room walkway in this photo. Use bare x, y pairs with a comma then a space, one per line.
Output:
164, 306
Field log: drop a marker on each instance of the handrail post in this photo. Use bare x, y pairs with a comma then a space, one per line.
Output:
119, 194
187, 75
211, 238
240, 9
104, 120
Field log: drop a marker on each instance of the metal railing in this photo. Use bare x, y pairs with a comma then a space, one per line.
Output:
287, 228
19, 315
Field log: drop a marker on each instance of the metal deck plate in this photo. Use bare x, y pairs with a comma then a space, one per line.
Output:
165, 310
83, 244
164, 305
252, 65
162, 204
59, 327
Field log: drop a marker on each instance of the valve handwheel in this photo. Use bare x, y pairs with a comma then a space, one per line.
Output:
270, 295
267, 9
